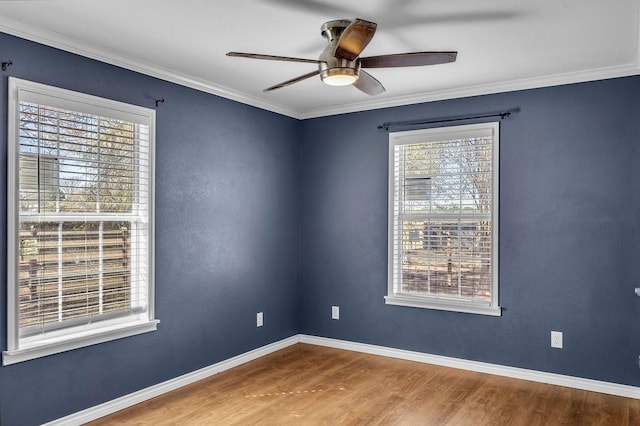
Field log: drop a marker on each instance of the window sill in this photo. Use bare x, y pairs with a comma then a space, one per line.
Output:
443, 305
78, 339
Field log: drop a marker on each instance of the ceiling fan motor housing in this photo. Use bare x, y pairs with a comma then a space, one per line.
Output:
333, 68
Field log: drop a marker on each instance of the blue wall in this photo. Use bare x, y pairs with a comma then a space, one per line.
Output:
569, 212
226, 198
259, 212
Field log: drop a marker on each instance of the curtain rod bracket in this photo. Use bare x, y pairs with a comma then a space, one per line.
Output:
6, 64
159, 101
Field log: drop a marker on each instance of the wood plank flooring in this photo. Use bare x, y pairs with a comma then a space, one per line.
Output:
313, 385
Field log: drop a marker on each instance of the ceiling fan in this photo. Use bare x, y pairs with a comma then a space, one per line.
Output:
340, 63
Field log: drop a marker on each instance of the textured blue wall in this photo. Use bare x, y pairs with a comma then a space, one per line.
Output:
569, 211
226, 239
259, 212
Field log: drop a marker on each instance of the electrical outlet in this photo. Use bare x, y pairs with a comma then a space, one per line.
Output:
556, 339
335, 312
259, 319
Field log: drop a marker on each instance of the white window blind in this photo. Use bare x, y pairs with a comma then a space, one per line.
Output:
443, 218
81, 217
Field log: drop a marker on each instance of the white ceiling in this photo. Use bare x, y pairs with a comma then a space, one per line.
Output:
502, 44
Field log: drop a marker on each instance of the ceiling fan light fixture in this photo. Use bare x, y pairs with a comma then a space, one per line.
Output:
339, 76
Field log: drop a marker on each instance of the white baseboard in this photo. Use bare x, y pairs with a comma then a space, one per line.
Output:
482, 367
127, 401
110, 407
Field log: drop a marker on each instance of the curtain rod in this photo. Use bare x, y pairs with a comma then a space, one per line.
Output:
387, 126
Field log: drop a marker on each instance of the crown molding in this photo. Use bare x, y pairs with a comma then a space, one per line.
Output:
53, 39
477, 90
56, 40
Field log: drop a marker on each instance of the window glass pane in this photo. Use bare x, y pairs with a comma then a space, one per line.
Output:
75, 162
445, 176
74, 269
446, 258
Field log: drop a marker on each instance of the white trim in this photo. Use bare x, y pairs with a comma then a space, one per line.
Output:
495, 221
37, 93
151, 214
638, 36
480, 367
443, 305
49, 38
86, 337
142, 395
13, 152
134, 398
477, 90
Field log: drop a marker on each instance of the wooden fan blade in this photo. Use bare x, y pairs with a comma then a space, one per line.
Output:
271, 57
292, 81
413, 59
355, 38
368, 84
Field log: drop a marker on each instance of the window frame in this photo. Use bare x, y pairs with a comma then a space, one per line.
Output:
436, 134
25, 348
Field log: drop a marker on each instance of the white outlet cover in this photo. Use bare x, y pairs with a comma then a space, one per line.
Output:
335, 312
259, 319
556, 339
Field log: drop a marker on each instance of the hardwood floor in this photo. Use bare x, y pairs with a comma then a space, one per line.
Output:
313, 385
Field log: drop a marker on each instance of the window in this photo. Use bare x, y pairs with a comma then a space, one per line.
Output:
80, 220
443, 219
